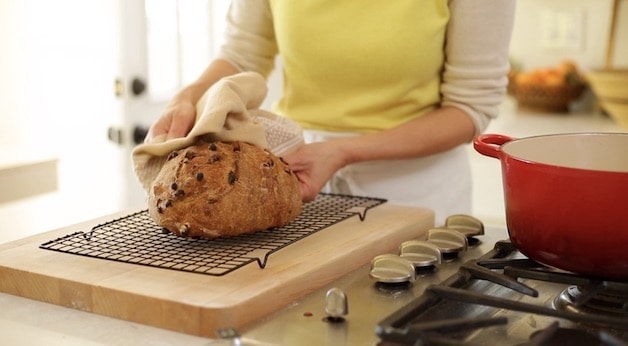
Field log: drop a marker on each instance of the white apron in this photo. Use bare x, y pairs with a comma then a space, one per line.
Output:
439, 182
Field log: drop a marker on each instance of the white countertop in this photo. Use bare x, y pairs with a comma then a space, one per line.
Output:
28, 322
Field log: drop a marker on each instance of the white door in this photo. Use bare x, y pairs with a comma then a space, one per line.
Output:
163, 45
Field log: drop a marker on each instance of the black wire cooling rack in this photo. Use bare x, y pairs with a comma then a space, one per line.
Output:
137, 239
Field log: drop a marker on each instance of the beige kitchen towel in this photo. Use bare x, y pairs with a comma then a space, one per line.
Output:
228, 111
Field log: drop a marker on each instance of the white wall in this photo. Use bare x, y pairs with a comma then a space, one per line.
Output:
56, 99
528, 41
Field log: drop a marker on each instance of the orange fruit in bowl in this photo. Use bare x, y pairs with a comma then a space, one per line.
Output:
554, 78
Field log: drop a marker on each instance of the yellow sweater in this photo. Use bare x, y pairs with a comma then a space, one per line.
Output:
365, 65
359, 65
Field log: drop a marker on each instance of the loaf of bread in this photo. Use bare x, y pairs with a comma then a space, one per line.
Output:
218, 189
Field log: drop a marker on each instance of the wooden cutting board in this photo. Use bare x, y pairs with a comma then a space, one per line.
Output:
200, 304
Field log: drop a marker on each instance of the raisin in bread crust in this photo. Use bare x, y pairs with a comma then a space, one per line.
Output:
217, 189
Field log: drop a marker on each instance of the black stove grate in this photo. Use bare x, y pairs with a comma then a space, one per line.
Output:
137, 239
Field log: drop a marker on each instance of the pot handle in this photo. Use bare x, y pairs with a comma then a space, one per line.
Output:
489, 144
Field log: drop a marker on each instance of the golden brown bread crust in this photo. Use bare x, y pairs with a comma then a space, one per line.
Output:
219, 189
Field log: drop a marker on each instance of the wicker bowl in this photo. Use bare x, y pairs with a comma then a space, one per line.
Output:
550, 89
611, 89
552, 98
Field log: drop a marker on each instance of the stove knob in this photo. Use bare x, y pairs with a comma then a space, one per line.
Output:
421, 253
465, 224
448, 240
392, 269
336, 304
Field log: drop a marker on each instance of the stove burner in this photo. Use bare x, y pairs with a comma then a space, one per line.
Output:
603, 299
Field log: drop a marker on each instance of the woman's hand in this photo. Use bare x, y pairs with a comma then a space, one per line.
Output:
314, 164
177, 121
180, 115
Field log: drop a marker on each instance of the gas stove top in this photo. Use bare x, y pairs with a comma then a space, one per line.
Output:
485, 294
503, 296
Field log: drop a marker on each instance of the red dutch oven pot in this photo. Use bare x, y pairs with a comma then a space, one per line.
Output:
566, 199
